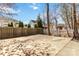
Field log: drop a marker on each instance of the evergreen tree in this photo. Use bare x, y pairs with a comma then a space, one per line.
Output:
21, 24
39, 22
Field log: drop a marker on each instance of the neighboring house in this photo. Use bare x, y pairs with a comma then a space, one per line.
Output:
4, 21
32, 23
61, 27
53, 29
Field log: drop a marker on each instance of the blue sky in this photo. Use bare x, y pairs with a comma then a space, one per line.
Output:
30, 11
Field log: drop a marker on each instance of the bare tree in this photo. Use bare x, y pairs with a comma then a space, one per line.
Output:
71, 17
7, 8
66, 27
48, 22
65, 16
75, 32
56, 23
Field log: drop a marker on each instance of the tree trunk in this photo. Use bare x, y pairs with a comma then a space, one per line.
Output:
71, 18
56, 26
75, 32
48, 19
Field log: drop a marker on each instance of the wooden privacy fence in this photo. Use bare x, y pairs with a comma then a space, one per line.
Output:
16, 32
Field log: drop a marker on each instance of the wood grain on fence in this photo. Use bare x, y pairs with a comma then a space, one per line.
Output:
16, 32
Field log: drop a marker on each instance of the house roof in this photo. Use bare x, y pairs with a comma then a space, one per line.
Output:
6, 19
62, 25
34, 21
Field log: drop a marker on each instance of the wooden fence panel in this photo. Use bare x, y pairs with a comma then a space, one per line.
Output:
16, 32
0, 33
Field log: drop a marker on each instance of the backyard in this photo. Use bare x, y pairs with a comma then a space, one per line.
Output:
39, 29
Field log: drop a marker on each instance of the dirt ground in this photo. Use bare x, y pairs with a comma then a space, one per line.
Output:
35, 45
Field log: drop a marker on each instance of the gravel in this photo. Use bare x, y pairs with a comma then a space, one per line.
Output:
39, 45
28, 47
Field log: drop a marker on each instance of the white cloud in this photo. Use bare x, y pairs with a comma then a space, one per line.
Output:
34, 7
8, 10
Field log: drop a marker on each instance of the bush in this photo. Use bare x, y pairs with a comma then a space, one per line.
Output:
21, 24
35, 26
10, 25
29, 26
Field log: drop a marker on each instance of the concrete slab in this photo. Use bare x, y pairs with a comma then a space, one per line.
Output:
72, 49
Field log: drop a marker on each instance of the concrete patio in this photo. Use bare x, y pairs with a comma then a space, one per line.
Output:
71, 49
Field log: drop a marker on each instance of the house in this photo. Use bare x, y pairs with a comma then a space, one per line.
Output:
4, 21
32, 23
61, 26
53, 28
